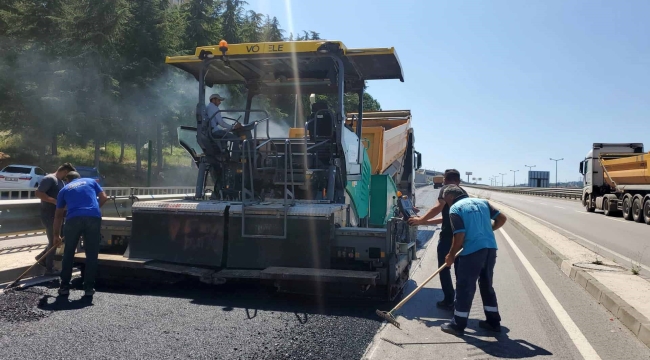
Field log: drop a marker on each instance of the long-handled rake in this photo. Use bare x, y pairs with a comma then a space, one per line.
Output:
388, 316
30, 268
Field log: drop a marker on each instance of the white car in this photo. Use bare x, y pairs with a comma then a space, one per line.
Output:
21, 177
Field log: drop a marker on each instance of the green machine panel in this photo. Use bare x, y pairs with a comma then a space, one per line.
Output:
382, 194
359, 190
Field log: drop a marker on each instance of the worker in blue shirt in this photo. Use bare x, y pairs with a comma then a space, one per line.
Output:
80, 198
473, 230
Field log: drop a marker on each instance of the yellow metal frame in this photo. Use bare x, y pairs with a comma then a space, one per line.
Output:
271, 66
277, 48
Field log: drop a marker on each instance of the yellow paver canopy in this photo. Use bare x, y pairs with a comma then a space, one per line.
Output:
277, 66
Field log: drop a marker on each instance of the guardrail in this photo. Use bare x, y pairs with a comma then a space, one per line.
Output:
23, 194
22, 216
565, 193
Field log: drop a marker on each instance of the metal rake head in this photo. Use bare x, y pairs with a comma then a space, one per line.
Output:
388, 317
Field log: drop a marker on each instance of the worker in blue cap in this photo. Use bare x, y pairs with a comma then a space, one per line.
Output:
473, 230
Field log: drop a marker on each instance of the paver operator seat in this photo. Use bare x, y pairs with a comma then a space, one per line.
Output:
322, 126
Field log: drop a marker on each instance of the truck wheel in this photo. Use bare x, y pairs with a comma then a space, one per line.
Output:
627, 208
606, 210
637, 210
589, 204
646, 211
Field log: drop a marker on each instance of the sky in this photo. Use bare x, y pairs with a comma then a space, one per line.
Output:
497, 85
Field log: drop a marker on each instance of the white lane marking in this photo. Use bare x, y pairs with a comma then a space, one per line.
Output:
544, 203
559, 207
578, 338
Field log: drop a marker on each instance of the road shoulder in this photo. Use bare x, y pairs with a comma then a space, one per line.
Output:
613, 286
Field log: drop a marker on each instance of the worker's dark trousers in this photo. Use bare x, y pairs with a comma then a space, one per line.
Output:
89, 227
444, 245
48, 222
222, 135
479, 266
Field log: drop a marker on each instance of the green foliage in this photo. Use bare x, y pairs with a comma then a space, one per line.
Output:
78, 72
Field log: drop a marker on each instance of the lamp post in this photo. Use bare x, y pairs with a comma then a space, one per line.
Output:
530, 167
556, 160
502, 178
514, 182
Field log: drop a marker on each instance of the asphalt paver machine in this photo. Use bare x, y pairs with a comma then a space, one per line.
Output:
309, 212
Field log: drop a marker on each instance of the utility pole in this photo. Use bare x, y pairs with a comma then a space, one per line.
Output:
556, 160
529, 170
502, 178
514, 182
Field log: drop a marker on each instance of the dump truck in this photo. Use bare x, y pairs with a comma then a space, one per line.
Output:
438, 180
322, 210
387, 137
617, 181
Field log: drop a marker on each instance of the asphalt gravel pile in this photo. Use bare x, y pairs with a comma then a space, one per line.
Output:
187, 321
21, 305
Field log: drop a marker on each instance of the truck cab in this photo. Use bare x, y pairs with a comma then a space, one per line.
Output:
599, 191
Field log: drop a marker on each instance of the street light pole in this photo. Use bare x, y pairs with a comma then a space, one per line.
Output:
502, 178
530, 167
514, 182
556, 160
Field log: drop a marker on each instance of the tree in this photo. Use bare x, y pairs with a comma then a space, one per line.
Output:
82, 72
201, 23
271, 30
252, 27
232, 20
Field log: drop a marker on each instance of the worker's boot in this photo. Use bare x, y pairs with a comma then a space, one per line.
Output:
42, 260
453, 329
445, 305
64, 290
488, 326
52, 272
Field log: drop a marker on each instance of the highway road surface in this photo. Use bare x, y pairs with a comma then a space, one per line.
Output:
625, 240
545, 315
